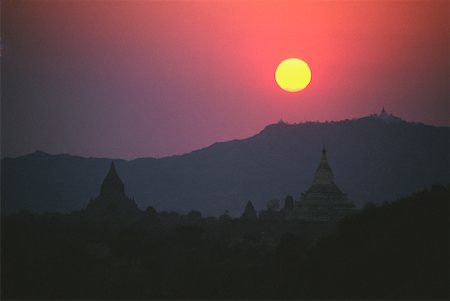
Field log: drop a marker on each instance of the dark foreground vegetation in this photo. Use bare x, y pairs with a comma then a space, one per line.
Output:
398, 250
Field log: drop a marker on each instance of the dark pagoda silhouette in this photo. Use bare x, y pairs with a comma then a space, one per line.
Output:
113, 204
249, 212
388, 118
323, 201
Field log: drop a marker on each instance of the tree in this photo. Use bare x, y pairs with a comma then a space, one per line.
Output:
151, 216
225, 217
273, 205
151, 212
194, 216
289, 203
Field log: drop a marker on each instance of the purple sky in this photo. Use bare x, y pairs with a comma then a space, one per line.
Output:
130, 79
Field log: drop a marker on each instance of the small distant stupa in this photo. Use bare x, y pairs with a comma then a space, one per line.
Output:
323, 201
388, 118
113, 204
383, 115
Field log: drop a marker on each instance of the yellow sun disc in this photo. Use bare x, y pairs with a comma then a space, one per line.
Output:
293, 75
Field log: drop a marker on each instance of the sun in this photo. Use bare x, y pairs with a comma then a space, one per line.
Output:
293, 75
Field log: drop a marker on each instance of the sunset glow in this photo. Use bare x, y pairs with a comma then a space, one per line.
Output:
293, 75
187, 149
181, 75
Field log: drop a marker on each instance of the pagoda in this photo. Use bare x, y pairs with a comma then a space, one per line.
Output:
323, 201
113, 204
388, 118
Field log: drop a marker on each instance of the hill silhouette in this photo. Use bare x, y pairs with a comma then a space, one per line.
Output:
374, 158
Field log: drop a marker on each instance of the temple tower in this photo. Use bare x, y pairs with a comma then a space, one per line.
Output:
323, 178
323, 201
112, 184
113, 204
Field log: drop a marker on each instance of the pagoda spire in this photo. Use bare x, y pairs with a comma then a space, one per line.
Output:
383, 112
113, 205
323, 201
112, 182
324, 174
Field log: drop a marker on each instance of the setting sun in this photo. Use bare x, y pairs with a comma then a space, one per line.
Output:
293, 75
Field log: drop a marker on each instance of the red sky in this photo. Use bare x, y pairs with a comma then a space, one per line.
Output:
145, 78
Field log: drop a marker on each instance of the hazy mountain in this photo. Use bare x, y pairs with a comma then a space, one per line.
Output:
375, 158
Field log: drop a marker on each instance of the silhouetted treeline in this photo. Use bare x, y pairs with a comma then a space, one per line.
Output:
394, 251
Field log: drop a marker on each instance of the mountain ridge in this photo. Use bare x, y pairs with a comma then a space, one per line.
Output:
373, 160
267, 127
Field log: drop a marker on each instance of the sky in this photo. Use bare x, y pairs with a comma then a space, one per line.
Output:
128, 79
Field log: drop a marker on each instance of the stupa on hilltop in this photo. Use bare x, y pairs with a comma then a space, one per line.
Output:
388, 118
323, 201
113, 204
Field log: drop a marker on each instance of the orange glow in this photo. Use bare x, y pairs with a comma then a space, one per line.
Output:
293, 75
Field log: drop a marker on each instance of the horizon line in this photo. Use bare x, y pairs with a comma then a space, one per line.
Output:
281, 121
